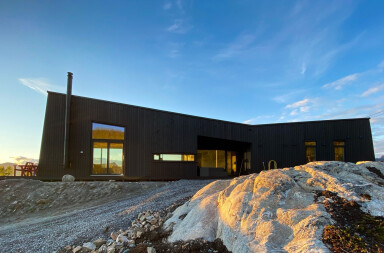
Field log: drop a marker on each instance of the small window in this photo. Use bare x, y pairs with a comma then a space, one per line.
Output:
174, 157
339, 150
310, 151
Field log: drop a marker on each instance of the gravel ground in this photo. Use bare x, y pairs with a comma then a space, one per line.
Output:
50, 233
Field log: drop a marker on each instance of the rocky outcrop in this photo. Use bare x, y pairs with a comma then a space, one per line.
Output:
123, 239
276, 210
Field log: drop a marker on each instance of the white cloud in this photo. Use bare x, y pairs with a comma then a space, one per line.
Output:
248, 121
298, 103
372, 90
39, 85
179, 26
301, 106
294, 112
259, 120
167, 5
338, 84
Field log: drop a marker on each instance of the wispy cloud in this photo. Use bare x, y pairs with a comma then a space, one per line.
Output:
381, 65
167, 5
338, 84
179, 5
174, 53
373, 90
288, 95
40, 85
301, 106
326, 58
262, 119
248, 121
297, 104
303, 68
240, 45
175, 49
179, 26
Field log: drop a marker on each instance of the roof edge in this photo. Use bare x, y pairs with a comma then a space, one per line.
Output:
194, 116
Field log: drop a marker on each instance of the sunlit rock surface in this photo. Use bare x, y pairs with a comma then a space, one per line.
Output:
275, 211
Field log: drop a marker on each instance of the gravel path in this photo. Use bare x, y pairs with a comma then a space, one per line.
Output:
47, 234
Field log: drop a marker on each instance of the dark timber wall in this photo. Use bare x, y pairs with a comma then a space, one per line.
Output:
149, 131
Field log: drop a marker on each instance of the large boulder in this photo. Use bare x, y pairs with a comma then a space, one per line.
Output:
275, 211
68, 178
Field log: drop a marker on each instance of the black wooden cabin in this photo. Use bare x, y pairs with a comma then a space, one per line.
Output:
108, 140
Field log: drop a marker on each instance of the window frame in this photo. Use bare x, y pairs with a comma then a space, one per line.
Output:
108, 141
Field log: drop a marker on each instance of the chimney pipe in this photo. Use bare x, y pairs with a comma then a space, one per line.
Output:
67, 117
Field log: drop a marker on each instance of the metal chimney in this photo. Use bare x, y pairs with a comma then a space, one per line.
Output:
67, 117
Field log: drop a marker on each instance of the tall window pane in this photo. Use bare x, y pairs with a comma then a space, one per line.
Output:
100, 154
207, 158
339, 150
116, 158
310, 151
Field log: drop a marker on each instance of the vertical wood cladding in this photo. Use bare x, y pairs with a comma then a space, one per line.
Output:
150, 131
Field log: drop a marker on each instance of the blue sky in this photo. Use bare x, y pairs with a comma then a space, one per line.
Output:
244, 61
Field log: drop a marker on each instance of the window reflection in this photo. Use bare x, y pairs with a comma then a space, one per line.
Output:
101, 131
310, 151
174, 157
218, 159
100, 154
339, 150
115, 158
108, 149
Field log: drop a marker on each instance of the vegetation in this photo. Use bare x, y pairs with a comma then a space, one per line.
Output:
354, 231
8, 171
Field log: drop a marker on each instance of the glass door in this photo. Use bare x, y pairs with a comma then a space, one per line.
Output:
108, 158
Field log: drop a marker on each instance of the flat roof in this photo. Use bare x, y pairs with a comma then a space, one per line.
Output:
193, 116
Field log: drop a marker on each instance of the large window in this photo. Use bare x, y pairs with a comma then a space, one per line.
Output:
108, 149
211, 158
217, 159
310, 151
339, 150
174, 157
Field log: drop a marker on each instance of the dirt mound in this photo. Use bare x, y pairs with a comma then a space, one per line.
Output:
26, 197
